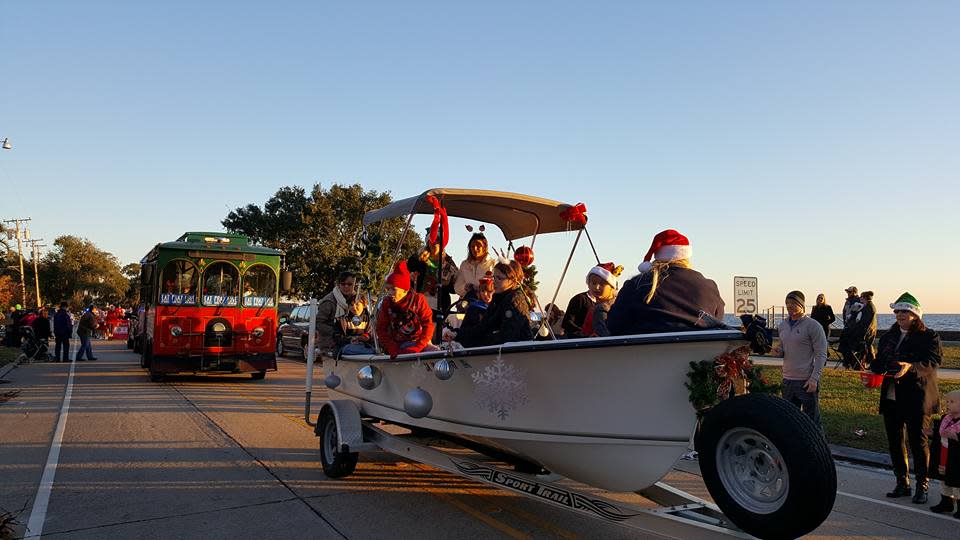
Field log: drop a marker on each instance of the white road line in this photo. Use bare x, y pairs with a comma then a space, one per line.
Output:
39, 512
925, 511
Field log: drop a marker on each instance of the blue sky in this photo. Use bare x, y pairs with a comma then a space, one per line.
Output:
813, 145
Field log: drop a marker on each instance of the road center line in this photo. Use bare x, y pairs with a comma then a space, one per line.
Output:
38, 513
926, 513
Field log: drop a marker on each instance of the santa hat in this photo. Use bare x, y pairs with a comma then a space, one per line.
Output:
607, 272
668, 245
400, 277
907, 302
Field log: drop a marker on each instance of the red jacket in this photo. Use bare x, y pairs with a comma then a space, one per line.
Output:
410, 320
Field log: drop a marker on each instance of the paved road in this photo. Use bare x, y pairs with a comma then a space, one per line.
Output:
228, 457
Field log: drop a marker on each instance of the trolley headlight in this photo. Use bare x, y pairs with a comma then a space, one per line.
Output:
219, 327
258, 332
175, 331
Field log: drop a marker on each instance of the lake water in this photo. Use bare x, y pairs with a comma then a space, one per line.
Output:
937, 321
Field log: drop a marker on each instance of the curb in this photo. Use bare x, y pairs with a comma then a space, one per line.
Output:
9, 367
861, 457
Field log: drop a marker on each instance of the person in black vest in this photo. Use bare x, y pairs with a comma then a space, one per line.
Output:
911, 353
668, 295
853, 297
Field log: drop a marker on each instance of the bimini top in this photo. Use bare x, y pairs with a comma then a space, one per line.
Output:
518, 216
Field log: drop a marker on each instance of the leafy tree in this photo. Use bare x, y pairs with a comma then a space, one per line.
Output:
132, 273
9, 292
77, 271
322, 234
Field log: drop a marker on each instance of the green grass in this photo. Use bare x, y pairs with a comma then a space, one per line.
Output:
845, 405
8, 354
950, 360
951, 356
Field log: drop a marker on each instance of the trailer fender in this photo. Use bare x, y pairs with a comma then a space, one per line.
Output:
349, 427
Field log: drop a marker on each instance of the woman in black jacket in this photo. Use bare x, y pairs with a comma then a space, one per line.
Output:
507, 318
911, 353
823, 314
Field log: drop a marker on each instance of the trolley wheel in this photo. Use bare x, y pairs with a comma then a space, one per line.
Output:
156, 376
336, 463
281, 351
258, 375
767, 466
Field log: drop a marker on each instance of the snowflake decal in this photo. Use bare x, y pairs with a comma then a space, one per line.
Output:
500, 388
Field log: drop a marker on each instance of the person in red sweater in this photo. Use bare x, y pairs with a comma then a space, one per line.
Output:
405, 320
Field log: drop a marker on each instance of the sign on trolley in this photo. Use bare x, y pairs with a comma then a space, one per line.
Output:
745, 299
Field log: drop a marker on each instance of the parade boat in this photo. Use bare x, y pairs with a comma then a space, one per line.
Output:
611, 412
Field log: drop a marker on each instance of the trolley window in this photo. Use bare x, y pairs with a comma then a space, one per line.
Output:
259, 286
221, 285
178, 284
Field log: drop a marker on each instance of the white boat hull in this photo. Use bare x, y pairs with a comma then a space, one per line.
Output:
609, 412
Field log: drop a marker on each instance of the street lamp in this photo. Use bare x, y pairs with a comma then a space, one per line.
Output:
6, 144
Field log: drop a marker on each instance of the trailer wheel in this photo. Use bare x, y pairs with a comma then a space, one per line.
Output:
336, 463
767, 466
258, 375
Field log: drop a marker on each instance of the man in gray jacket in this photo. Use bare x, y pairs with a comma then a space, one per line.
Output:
803, 346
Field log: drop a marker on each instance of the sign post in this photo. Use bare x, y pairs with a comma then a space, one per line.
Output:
745, 298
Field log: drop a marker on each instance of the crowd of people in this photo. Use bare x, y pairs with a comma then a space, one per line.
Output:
494, 307
907, 355
36, 326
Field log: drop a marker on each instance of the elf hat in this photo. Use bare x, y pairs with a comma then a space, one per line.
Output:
668, 245
400, 277
907, 302
607, 272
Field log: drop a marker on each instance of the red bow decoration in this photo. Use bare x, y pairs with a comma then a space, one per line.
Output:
729, 366
439, 216
575, 214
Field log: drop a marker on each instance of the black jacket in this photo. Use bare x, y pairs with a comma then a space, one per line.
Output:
507, 319
41, 328
917, 391
62, 324
681, 295
576, 315
823, 315
867, 323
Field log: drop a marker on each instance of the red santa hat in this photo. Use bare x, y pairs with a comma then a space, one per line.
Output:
607, 272
668, 245
400, 277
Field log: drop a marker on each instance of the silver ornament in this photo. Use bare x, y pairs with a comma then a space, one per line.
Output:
332, 380
417, 403
443, 369
369, 377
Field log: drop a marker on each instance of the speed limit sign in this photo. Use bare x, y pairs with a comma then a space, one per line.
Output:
745, 298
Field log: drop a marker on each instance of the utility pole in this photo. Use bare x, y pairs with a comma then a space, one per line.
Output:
36, 245
24, 235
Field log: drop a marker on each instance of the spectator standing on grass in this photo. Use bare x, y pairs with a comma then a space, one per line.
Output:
823, 314
867, 326
62, 330
853, 297
803, 347
911, 353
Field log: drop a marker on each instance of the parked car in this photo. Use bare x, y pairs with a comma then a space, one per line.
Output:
292, 334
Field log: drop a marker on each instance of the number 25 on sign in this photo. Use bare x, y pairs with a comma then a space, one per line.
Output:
745, 295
